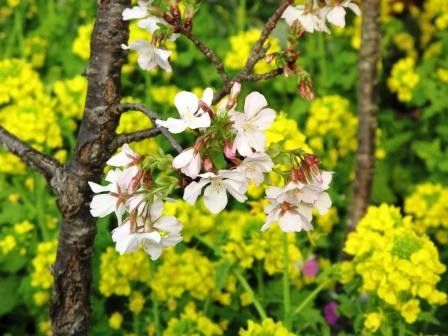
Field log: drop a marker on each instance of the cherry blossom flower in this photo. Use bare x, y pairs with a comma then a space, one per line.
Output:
309, 20
336, 15
146, 21
292, 205
153, 232
312, 194
291, 218
215, 194
255, 166
125, 158
192, 116
150, 57
112, 197
137, 12
249, 126
189, 162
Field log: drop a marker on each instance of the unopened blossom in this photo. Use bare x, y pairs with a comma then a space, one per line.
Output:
291, 217
189, 162
255, 166
191, 115
149, 56
216, 188
125, 158
112, 197
336, 15
309, 20
249, 126
153, 232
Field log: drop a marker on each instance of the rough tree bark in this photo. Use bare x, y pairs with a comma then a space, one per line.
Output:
369, 56
70, 309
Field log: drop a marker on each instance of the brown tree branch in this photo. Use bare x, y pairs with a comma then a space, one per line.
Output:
369, 56
209, 53
70, 308
265, 76
43, 163
153, 116
258, 51
123, 138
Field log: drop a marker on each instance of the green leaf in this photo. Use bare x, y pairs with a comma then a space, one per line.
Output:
222, 273
8, 293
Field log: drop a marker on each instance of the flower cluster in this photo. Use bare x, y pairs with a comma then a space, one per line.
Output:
120, 272
403, 79
395, 263
428, 204
27, 111
150, 55
229, 153
331, 122
312, 16
132, 191
240, 47
41, 278
192, 322
266, 327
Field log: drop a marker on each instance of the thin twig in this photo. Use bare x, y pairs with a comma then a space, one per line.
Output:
43, 163
265, 76
123, 138
153, 116
209, 53
258, 51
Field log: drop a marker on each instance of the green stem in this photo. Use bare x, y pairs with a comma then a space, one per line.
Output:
155, 312
260, 283
311, 296
322, 59
251, 293
241, 16
286, 286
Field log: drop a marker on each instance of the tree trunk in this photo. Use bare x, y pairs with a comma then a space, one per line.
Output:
70, 309
369, 56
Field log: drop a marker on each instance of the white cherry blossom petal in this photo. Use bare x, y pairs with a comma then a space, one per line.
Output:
193, 190
254, 103
215, 198
173, 125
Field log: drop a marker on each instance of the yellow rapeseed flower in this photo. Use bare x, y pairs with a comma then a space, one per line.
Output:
266, 327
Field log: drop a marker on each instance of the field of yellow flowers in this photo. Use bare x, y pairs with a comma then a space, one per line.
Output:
387, 277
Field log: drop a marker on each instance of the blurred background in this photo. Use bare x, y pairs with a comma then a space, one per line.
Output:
209, 284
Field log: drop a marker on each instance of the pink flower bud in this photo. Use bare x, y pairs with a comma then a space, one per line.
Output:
234, 94
208, 164
204, 107
229, 152
306, 89
269, 58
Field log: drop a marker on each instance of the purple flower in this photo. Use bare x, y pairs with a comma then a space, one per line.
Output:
310, 267
331, 313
